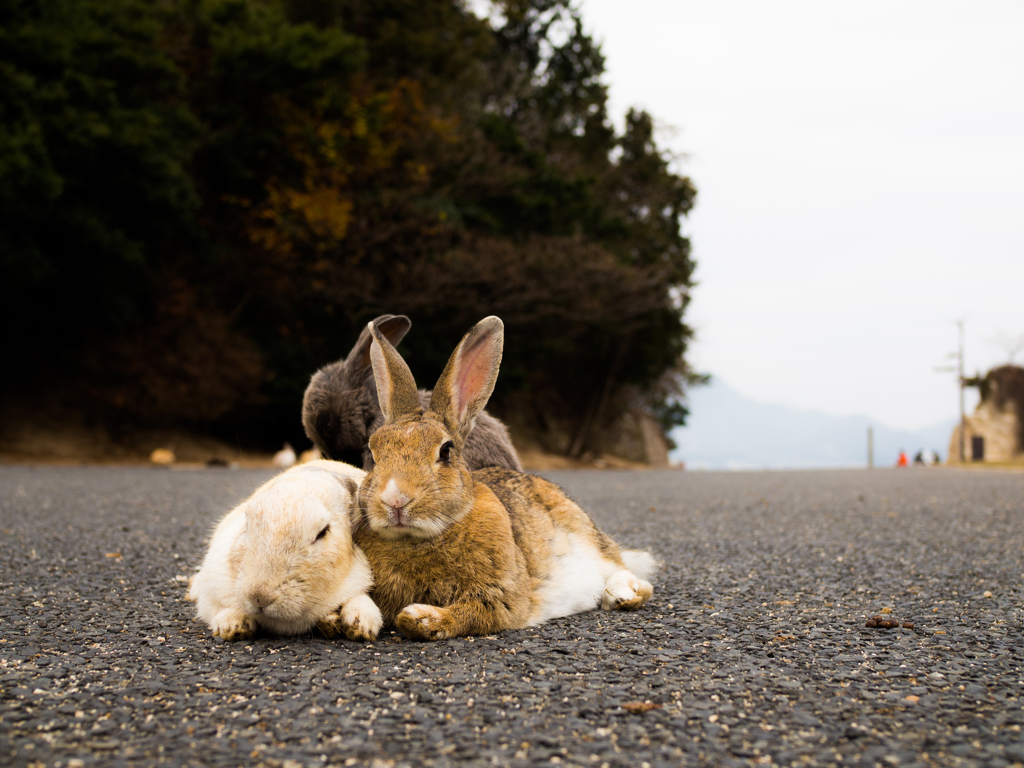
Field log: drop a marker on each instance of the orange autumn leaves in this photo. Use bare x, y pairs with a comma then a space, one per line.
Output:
338, 152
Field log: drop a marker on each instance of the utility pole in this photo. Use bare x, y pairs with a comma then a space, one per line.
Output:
960, 377
959, 355
871, 448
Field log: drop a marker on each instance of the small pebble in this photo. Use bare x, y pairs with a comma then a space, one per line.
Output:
638, 707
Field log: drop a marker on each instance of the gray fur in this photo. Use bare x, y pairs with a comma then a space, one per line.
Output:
340, 410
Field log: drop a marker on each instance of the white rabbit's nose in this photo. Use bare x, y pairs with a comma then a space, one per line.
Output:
393, 497
260, 599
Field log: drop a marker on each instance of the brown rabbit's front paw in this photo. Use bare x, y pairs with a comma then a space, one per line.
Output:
422, 622
625, 592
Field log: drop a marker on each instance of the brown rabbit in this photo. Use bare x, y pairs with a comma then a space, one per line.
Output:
458, 553
340, 409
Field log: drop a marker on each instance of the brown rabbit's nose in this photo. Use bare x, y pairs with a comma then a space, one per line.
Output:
392, 496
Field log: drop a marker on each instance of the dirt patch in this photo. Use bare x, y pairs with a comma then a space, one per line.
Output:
68, 438
31, 436
538, 460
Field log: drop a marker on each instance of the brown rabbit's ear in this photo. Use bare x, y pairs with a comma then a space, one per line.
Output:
394, 328
396, 388
468, 379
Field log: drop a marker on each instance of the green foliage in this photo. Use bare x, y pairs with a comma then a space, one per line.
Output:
94, 184
261, 177
244, 62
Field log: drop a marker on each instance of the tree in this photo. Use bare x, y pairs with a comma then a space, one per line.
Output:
94, 183
298, 167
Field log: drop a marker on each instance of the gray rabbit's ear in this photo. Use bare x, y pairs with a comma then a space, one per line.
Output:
394, 328
396, 388
468, 380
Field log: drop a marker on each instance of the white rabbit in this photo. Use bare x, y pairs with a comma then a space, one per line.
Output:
284, 560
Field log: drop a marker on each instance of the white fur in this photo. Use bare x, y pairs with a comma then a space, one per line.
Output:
640, 562
622, 587
268, 546
362, 617
576, 582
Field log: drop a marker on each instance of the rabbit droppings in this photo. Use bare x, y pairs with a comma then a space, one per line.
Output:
456, 552
340, 410
284, 560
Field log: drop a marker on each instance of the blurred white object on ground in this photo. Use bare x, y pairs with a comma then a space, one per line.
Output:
285, 457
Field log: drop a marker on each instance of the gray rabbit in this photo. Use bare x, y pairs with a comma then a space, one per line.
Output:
340, 409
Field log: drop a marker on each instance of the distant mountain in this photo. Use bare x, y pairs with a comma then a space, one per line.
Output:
728, 431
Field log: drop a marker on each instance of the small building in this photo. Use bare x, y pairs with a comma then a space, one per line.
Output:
995, 432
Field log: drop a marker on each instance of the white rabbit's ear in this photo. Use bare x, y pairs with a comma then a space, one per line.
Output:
396, 388
468, 380
394, 328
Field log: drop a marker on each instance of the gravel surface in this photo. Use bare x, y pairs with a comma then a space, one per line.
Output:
754, 649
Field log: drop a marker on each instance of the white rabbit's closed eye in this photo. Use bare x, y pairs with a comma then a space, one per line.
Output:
284, 561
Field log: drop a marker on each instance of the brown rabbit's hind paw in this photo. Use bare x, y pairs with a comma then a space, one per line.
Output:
625, 592
422, 622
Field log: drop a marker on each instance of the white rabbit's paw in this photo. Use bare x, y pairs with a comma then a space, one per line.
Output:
331, 625
625, 592
422, 622
361, 619
233, 626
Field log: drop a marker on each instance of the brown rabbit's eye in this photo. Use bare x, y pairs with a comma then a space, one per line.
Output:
446, 451
323, 532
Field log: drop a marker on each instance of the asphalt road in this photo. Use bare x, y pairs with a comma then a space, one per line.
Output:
753, 650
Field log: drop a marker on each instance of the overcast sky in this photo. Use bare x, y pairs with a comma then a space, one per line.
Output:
860, 176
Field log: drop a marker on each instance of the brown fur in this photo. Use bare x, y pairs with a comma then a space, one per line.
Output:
472, 569
538, 493
453, 552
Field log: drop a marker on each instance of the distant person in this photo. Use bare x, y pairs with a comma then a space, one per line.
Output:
936, 460
919, 458
902, 460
